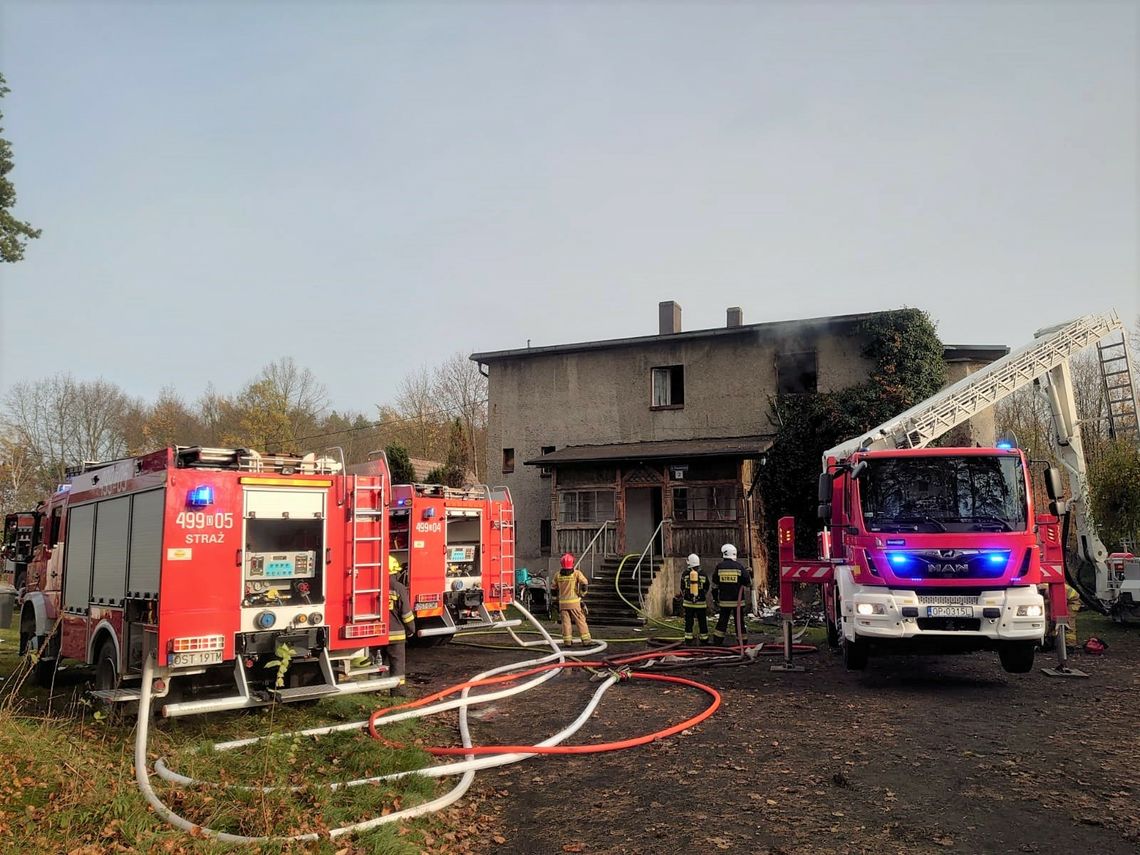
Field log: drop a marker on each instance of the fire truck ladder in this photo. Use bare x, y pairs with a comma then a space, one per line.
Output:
367, 528
1119, 389
925, 422
506, 557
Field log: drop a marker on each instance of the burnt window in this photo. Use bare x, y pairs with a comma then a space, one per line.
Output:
508, 460
796, 373
544, 537
546, 471
668, 386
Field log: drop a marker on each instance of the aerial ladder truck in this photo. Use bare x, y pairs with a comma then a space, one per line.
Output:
929, 549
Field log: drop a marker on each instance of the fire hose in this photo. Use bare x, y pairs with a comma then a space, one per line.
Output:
542, 669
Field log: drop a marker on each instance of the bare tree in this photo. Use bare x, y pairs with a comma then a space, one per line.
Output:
419, 421
19, 485
61, 422
461, 390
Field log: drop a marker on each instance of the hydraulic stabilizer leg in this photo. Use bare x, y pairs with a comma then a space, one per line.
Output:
787, 664
1061, 627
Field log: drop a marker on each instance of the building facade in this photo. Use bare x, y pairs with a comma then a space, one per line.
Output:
656, 439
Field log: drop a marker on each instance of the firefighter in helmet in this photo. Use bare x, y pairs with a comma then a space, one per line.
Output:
730, 582
572, 586
694, 598
400, 616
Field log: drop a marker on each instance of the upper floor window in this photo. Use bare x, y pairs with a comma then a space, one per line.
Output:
796, 373
668, 386
508, 460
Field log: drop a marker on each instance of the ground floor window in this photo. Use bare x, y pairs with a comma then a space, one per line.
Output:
699, 504
585, 506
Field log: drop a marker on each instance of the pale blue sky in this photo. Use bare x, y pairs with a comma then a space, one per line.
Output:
368, 187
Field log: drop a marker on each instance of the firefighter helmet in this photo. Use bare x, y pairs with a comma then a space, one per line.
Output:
728, 551
693, 560
393, 564
567, 561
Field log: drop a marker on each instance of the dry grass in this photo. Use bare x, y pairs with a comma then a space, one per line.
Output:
67, 776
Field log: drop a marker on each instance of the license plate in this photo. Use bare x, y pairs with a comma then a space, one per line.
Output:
197, 657
949, 611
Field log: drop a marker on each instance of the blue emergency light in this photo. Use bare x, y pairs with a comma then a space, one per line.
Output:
200, 497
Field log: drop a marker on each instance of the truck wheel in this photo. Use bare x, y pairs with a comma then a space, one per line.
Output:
106, 667
855, 654
44, 673
833, 633
1017, 656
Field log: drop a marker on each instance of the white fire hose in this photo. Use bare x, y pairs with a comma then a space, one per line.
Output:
466, 767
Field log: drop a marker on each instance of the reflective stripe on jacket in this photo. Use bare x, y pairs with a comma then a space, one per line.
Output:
570, 584
729, 579
694, 588
400, 612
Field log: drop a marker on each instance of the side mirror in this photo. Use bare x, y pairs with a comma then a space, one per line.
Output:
1053, 486
823, 511
1058, 508
857, 470
824, 492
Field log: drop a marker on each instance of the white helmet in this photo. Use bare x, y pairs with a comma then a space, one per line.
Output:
693, 560
728, 551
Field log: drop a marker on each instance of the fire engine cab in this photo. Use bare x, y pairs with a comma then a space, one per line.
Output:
456, 546
219, 563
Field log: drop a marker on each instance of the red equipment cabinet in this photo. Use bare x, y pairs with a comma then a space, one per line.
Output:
457, 546
210, 560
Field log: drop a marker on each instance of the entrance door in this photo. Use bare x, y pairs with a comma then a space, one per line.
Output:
642, 516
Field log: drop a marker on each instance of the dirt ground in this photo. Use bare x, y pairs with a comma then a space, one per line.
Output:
915, 755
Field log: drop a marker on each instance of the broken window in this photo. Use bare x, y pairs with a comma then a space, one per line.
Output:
796, 373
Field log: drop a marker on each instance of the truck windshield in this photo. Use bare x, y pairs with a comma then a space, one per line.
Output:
932, 494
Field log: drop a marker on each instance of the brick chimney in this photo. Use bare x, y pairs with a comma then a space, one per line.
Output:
669, 316
735, 316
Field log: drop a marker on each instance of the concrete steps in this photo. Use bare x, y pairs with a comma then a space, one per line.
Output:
603, 602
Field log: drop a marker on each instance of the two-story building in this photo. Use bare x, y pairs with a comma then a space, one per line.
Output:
660, 436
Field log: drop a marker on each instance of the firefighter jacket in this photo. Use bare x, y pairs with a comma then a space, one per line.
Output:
694, 588
399, 611
728, 579
571, 584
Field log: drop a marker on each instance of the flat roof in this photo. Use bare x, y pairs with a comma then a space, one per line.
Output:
973, 352
733, 446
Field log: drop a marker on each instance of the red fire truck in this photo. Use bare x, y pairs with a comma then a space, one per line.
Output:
20, 530
457, 546
940, 549
214, 561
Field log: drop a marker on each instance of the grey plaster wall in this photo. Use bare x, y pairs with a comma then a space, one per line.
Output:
603, 396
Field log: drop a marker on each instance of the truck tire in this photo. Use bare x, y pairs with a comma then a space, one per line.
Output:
106, 667
833, 633
855, 654
1017, 656
44, 672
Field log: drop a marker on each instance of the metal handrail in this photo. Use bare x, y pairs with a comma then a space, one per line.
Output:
637, 568
589, 550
